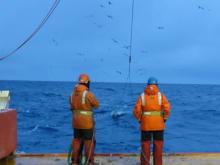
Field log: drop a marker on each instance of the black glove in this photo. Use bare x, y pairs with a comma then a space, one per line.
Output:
164, 120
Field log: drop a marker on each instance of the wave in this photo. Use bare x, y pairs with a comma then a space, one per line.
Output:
117, 114
20, 152
50, 94
113, 114
48, 129
109, 89
34, 129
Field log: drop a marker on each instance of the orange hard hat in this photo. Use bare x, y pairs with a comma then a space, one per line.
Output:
84, 78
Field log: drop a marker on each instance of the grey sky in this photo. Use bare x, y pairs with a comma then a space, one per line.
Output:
175, 40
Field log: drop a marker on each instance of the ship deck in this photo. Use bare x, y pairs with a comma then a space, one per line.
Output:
114, 159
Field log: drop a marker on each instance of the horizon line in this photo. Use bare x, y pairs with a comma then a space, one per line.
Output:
127, 82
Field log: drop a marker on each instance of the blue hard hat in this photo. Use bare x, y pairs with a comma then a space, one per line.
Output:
152, 81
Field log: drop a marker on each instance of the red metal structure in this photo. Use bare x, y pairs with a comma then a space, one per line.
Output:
8, 132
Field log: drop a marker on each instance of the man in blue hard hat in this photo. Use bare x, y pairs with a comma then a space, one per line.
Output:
152, 110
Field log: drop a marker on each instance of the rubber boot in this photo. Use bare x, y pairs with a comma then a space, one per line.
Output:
89, 151
76, 143
158, 152
145, 152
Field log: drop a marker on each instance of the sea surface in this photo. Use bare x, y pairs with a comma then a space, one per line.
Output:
44, 118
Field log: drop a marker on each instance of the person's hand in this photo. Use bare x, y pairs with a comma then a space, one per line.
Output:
164, 120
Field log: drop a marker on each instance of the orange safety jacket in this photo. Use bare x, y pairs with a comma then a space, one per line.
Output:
82, 103
151, 109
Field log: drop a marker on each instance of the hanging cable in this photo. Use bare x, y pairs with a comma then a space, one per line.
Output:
131, 40
128, 80
130, 58
50, 12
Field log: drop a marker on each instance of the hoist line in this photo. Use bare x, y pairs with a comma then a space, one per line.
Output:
127, 79
129, 69
50, 12
131, 40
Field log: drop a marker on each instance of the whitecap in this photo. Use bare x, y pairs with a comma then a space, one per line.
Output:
117, 114
34, 129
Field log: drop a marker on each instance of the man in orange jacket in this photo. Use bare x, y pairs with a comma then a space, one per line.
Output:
152, 110
82, 102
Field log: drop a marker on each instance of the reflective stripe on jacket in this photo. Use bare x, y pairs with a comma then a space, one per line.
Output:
151, 109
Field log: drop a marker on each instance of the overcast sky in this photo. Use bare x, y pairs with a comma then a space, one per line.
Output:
177, 41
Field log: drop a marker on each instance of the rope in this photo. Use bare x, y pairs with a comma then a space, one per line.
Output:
90, 148
70, 151
131, 40
128, 84
69, 156
50, 12
145, 158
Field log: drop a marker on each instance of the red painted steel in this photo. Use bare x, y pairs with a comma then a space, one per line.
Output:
8, 132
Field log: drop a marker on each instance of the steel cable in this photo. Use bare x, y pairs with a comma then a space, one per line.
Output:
50, 12
131, 40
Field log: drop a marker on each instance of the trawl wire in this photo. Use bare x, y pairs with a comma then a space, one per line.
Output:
131, 40
50, 12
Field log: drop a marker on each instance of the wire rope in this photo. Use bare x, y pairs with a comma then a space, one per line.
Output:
131, 41
50, 12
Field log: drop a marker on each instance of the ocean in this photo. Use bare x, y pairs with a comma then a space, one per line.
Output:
44, 118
